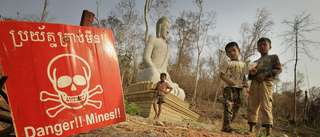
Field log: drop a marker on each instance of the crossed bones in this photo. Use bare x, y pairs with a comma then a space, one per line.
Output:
84, 99
80, 79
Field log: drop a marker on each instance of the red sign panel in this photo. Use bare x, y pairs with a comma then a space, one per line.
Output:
62, 79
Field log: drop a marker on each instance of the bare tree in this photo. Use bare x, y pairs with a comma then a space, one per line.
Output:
185, 30
215, 60
252, 32
125, 9
203, 27
125, 23
98, 2
43, 17
199, 4
44, 10
97, 14
147, 8
160, 9
287, 95
296, 39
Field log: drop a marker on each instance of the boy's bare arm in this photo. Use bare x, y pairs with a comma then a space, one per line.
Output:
225, 79
154, 89
170, 89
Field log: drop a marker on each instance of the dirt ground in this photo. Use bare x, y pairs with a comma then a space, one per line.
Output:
136, 126
209, 125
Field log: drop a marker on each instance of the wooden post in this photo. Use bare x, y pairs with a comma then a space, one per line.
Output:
87, 18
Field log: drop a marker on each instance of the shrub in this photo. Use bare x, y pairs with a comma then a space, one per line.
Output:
279, 118
131, 108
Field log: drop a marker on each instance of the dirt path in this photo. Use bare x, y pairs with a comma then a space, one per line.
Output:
136, 126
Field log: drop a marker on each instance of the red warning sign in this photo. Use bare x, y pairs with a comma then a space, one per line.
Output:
62, 79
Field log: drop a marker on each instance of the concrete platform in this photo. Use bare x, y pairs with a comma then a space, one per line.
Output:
174, 109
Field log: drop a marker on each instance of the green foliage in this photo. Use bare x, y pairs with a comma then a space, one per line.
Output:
190, 121
304, 125
243, 129
279, 118
261, 133
131, 108
295, 131
125, 57
141, 66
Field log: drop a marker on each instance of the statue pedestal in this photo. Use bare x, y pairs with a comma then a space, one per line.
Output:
174, 109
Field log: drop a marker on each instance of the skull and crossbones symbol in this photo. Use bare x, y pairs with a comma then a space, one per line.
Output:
71, 83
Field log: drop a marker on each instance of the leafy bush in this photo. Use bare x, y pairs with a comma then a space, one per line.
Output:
131, 108
295, 131
279, 118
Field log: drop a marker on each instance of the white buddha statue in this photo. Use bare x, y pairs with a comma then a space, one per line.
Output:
156, 56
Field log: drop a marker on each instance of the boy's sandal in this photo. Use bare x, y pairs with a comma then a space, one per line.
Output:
248, 133
232, 130
228, 129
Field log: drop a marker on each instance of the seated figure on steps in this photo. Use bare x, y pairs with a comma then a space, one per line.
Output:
156, 56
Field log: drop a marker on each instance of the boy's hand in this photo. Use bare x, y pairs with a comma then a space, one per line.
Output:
231, 83
261, 76
253, 71
245, 85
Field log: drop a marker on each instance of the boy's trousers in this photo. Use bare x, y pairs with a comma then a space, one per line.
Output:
232, 103
260, 97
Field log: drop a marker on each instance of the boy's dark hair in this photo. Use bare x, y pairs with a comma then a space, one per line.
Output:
231, 44
264, 39
163, 74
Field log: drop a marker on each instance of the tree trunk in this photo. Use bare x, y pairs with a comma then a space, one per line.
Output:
295, 76
216, 96
44, 10
146, 12
197, 79
198, 59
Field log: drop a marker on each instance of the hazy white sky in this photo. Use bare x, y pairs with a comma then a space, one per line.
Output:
230, 15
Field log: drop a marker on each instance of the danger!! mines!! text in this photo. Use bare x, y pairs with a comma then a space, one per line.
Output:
58, 128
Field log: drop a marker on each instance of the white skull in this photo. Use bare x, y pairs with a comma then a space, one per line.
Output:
70, 76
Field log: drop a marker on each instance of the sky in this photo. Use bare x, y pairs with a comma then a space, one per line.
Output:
230, 15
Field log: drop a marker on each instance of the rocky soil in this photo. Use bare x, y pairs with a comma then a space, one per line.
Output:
210, 125
136, 126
